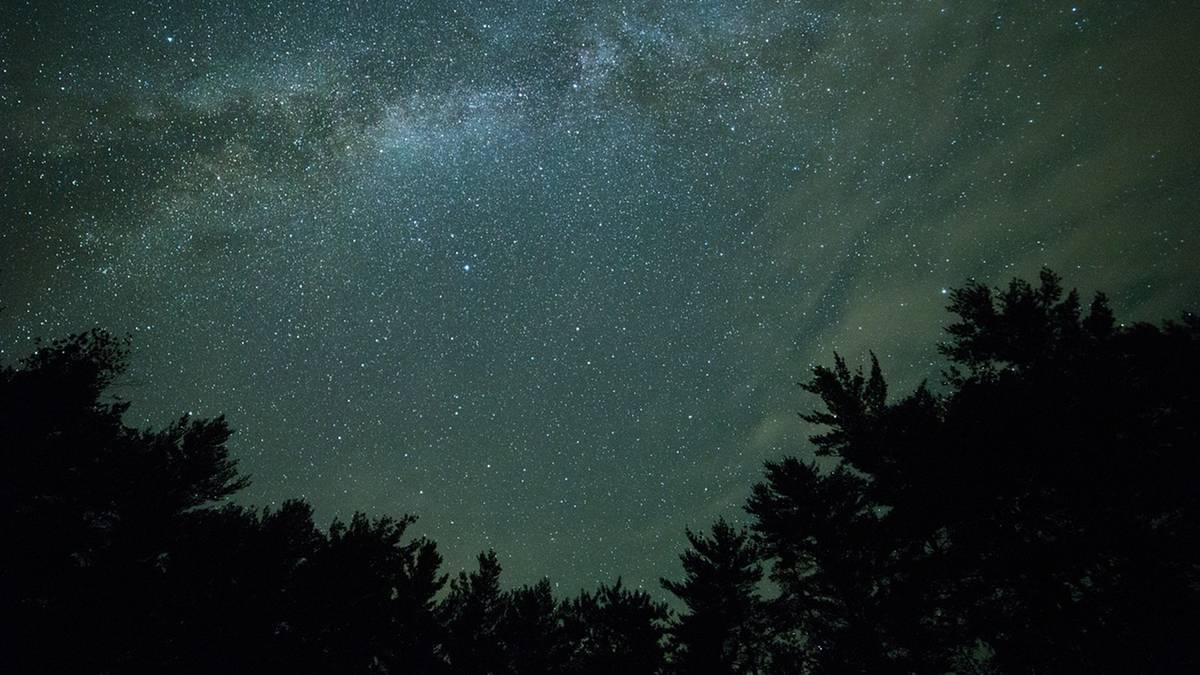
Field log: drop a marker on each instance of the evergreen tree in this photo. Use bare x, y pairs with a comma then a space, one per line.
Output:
88, 506
472, 613
615, 630
1037, 516
724, 631
367, 600
530, 632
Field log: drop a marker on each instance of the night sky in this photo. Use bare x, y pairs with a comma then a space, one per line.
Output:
546, 274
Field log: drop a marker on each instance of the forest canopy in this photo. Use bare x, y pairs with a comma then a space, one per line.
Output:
1037, 513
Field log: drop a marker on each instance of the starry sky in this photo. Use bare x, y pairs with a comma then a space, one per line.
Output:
546, 274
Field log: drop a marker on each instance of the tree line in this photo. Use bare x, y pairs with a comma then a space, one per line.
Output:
1039, 513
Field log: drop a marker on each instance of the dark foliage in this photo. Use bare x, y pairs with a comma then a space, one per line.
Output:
614, 630
88, 505
472, 614
725, 629
124, 556
1040, 515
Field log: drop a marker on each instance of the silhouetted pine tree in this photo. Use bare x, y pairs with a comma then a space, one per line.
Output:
725, 630
120, 558
615, 630
229, 594
472, 613
530, 632
87, 506
367, 600
1039, 516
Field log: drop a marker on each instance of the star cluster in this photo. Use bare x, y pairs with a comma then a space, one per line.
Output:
546, 273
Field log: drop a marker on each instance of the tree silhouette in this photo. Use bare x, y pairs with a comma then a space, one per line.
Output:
120, 548
472, 613
367, 599
530, 632
725, 630
615, 630
87, 503
1038, 516
229, 596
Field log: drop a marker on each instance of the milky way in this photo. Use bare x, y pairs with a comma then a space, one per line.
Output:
546, 274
